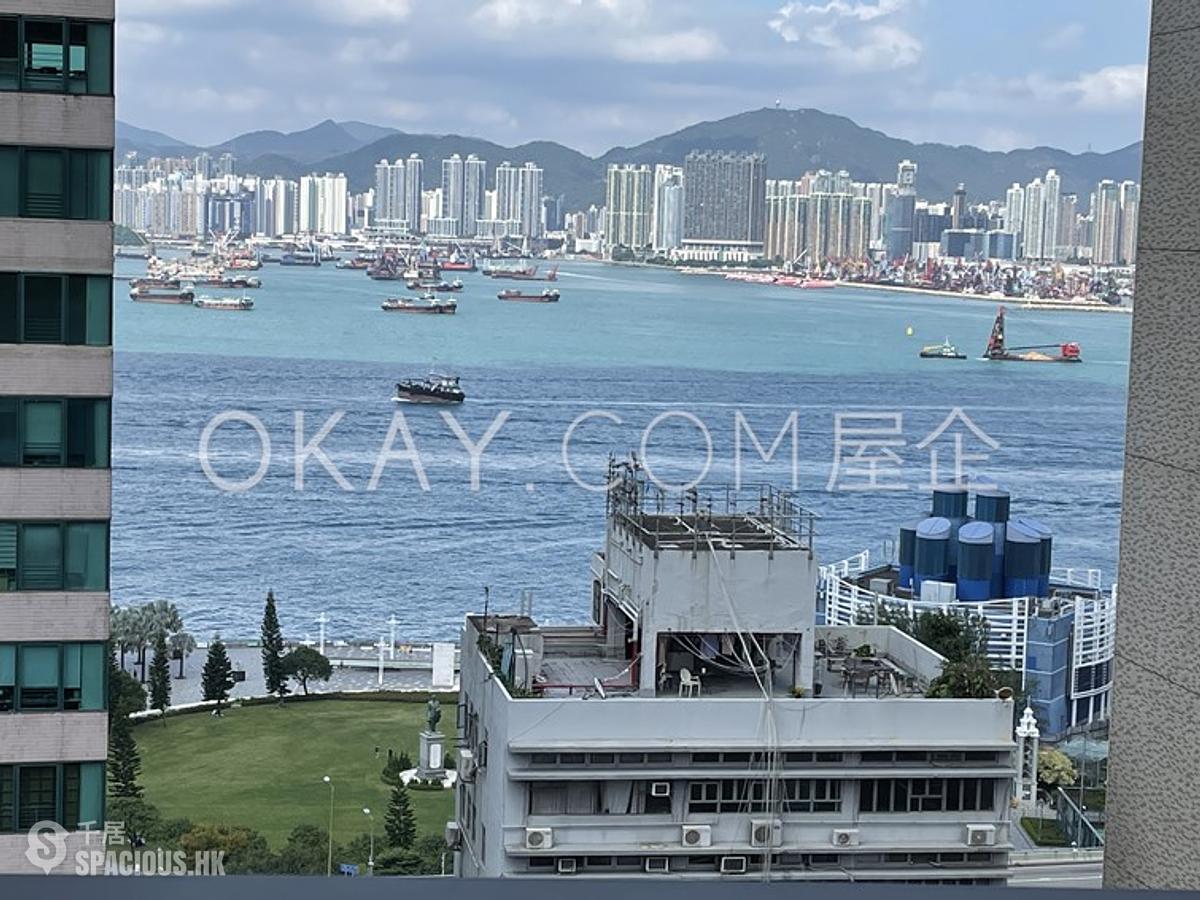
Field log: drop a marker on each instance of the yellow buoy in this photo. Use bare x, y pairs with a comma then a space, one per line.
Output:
909, 330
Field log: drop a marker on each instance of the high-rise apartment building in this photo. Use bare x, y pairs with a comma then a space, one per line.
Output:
1106, 224
414, 173
474, 185
56, 192
1052, 195
1014, 212
1130, 200
630, 200
452, 196
901, 212
1035, 220
390, 197
666, 217
323, 203
530, 179
724, 200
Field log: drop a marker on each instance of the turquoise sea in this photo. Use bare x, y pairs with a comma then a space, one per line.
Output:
633, 343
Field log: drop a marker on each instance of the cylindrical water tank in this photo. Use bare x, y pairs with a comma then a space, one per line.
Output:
1022, 561
950, 501
908, 553
1046, 536
992, 505
931, 561
998, 535
976, 560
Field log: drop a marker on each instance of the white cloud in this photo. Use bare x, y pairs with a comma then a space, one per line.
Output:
148, 34
851, 35
1064, 37
1111, 88
694, 45
367, 51
364, 12
206, 99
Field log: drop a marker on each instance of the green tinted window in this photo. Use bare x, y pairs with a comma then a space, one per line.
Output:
43, 55
46, 183
10, 181
9, 53
10, 308
87, 556
99, 58
37, 788
40, 555
42, 433
43, 309
10, 434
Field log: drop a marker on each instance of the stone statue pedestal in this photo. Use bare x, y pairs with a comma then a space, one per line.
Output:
432, 757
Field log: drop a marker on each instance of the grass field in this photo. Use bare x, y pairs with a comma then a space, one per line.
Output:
261, 766
1044, 832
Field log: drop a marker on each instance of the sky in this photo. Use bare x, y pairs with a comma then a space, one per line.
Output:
593, 74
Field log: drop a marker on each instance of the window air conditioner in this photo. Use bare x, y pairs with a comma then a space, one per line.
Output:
766, 832
981, 835
733, 865
845, 837
697, 835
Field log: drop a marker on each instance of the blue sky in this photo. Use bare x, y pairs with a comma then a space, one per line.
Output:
597, 73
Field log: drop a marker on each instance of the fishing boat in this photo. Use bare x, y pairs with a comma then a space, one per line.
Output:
156, 294
428, 303
433, 389
546, 296
229, 304
944, 350
998, 351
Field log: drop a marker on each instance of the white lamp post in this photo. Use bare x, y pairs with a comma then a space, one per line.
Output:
329, 861
392, 622
371, 853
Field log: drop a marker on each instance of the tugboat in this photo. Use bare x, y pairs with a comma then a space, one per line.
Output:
427, 303
997, 351
944, 350
546, 296
230, 304
433, 389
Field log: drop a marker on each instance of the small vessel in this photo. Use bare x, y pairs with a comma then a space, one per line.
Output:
428, 303
300, 258
357, 263
241, 282
230, 304
998, 351
156, 294
433, 389
440, 287
527, 274
944, 350
166, 284
811, 283
547, 296
457, 265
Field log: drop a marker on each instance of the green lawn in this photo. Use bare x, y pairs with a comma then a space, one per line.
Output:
1045, 832
261, 766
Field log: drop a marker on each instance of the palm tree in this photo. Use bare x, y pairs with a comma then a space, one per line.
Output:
182, 645
120, 629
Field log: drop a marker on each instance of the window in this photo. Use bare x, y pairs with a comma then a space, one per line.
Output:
46, 556
56, 55
55, 183
49, 432
55, 309
740, 795
926, 795
53, 677
71, 794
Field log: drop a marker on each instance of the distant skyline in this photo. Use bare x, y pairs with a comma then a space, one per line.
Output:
594, 74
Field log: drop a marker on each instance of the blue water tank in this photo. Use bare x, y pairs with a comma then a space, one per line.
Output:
932, 558
908, 553
976, 560
1046, 536
992, 505
1022, 561
950, 501
998, 535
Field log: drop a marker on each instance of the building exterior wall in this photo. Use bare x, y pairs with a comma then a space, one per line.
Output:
1153, 809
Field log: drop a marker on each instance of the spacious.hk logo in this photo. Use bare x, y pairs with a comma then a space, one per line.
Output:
47, 846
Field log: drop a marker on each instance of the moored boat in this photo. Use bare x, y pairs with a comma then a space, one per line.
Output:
156, 294
433, 389
944, 350
426, 303
229, 304
546, 296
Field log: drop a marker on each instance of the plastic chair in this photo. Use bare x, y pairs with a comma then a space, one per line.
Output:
689, 684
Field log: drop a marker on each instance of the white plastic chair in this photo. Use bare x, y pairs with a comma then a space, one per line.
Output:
689, 684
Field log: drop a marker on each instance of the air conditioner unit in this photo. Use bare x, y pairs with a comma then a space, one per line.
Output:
733, 865
660, 789
539, 838
453, 835
766, 832
657, 864
567, 865
845, 837
981, 835
466, 766
697, 835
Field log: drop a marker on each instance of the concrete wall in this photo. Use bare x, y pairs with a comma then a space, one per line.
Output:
46, 370
34, 616
58, 120
82, 9
55, 245
13, 860
1154, 795
56, 493
54, 736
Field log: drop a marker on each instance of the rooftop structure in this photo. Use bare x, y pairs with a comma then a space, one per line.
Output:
703, 724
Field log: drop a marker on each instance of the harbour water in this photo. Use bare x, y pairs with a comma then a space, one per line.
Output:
633, 342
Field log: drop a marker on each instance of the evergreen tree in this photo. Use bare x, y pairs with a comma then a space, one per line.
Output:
124, 761
217, 677
399, 824
125, 695
160, 675
272, 651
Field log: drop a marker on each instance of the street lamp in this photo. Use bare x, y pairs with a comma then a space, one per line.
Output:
371, 853
329, 861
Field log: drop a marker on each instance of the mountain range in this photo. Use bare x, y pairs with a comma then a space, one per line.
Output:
793, 140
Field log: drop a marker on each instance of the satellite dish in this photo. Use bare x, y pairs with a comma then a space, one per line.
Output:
599, 688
